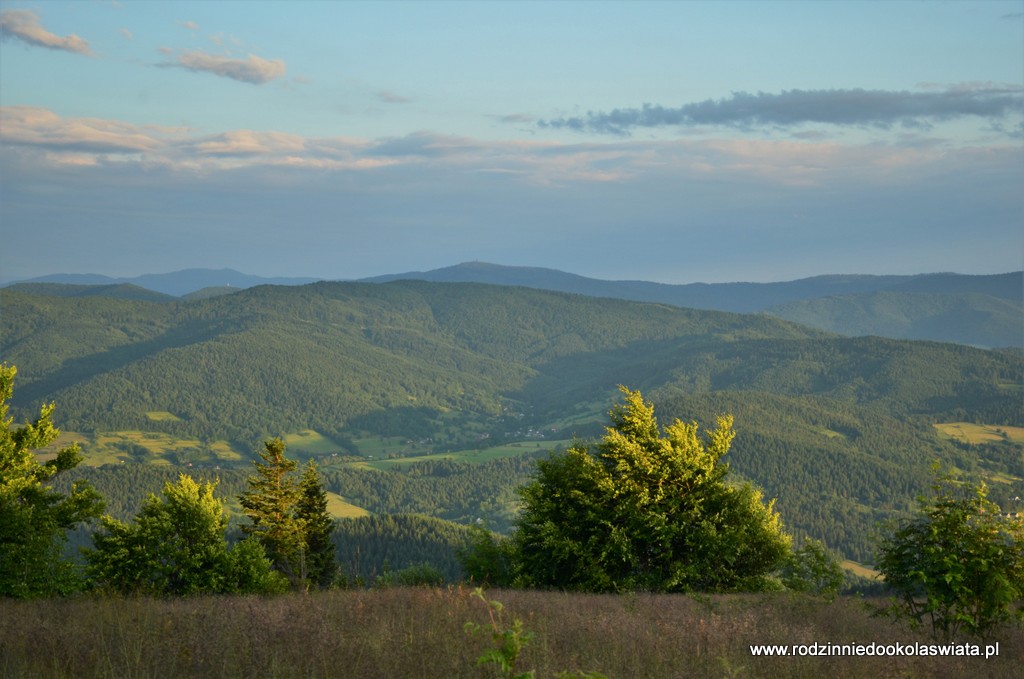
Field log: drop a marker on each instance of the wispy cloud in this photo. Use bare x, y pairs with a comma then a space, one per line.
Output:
253, 69
391, 98
24, 25
47, 138
851, 107
39, 127
458, 197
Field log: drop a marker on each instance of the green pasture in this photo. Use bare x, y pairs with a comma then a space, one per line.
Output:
859, 569
969, 432
114, 447
162, 416
340, 509
830, 433
379, 446
469, 455
310, 442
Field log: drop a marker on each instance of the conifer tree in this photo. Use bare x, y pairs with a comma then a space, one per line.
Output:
270, 505
311, 509
34, 519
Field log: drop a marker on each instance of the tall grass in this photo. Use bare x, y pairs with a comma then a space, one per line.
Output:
419, 632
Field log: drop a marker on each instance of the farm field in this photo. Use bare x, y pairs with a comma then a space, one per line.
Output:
969, 432
472, 455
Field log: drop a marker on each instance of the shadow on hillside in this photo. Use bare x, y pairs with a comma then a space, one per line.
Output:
79, 370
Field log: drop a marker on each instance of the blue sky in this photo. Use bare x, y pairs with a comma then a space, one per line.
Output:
669, 141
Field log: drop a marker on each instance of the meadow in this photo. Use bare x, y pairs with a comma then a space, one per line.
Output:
420, 632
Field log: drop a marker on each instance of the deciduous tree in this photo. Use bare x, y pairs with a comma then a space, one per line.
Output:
812, 568
177, 546
644, 511
957, 565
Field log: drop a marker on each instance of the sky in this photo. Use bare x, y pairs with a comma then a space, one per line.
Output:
667, 141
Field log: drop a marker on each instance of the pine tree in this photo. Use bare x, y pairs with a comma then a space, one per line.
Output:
311, 510
270, 504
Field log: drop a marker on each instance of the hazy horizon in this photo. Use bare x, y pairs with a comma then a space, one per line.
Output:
674, 142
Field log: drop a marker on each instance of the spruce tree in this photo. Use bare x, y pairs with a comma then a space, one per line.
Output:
311, 510
270, 504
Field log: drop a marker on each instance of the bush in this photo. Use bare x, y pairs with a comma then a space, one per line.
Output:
958, 565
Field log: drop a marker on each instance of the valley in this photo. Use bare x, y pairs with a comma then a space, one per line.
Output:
434, 398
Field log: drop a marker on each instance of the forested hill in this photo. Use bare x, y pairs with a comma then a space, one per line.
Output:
322, 355
979, 310
839, 429
985, 311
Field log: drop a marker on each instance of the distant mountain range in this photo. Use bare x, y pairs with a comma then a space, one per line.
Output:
175, 283
985, 310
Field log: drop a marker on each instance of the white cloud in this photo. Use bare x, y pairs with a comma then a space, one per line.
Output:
39, 127
255, 70
24, 25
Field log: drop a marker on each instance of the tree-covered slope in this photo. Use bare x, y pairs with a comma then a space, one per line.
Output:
966, 318
277, 358
839, 429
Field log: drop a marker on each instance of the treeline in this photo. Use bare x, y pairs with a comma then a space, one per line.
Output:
370, 548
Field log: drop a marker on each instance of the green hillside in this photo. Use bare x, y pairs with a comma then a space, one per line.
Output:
965, 318
840, 430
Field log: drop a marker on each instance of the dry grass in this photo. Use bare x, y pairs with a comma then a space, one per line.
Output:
418, 632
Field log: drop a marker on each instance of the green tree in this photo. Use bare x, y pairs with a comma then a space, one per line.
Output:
34, 519
642, 511
487, 558
270, 503
958, 565
812, 568
321, 567
177, 545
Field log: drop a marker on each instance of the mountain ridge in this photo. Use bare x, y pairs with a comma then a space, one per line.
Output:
981, 310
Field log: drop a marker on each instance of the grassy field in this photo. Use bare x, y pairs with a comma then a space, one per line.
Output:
472, 455
162, 416
419, 632
859, 569
980, 433
310, 442
340, 509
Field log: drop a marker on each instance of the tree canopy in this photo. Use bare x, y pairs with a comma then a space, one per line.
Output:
177, 546
646, 510
958, 564
34, 518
